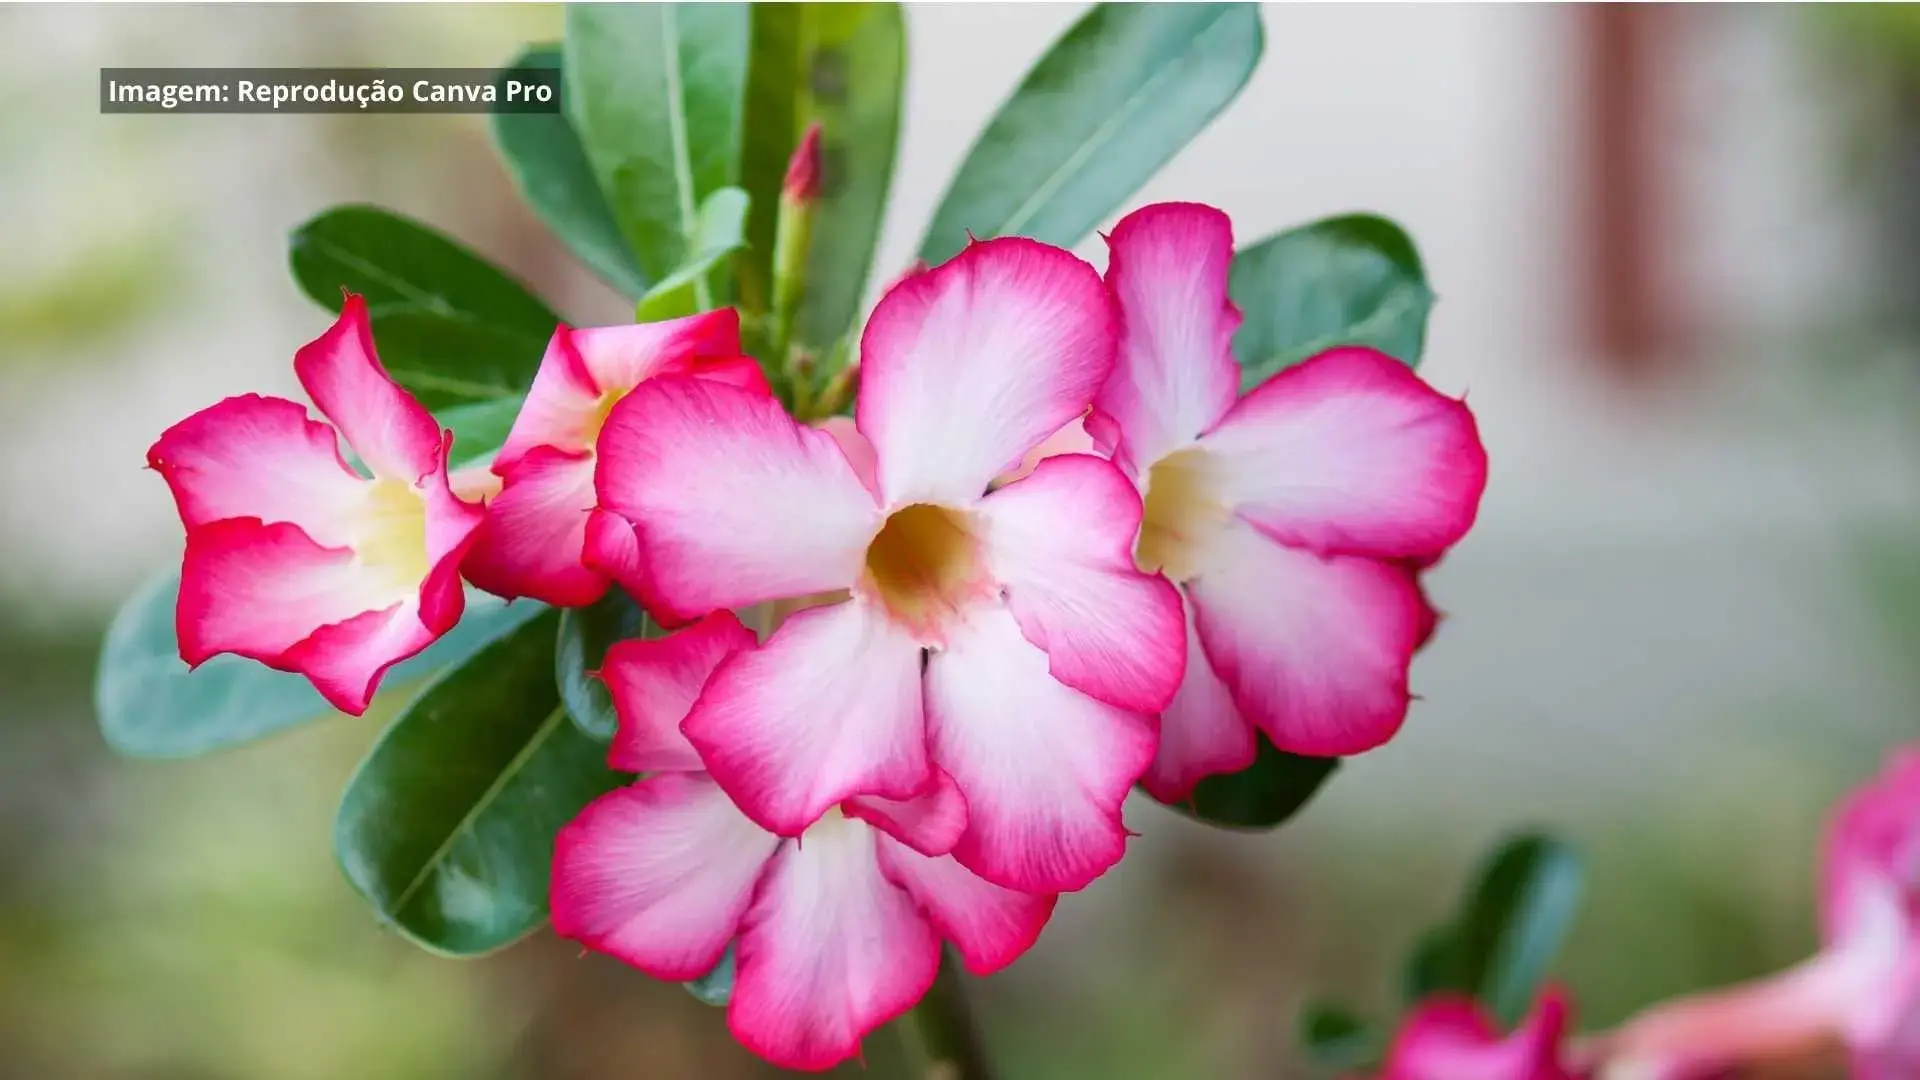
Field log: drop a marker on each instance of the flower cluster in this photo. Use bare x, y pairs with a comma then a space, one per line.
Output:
1055, 553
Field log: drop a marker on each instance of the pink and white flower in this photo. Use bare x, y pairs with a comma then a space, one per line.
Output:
1861, 991
1004, 641
294, 558
533, 540
835, 932
1452, 1038
1294, 518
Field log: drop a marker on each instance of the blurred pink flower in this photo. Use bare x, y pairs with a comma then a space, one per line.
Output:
1451, 1038
1862, 989
295, 559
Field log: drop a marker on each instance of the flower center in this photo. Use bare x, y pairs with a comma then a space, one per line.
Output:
924, 563
392, 543
601, 410
1182, 513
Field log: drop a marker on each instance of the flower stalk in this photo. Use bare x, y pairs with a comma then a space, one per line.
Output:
793, 237
941, 1034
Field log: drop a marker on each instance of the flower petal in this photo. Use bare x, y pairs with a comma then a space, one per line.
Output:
828, 708
534, 536
1314, 649
562, 408
390, 431
622, 357
858, 450
1872, 840
1451, 1039
991, 927
1202, 732
1044, 767
966, 367
654, 683
259, 457
1176, 375
346, 660
658, 874
258, 590
930, 824
732, 503
1350, 453
829, 951
1061, 542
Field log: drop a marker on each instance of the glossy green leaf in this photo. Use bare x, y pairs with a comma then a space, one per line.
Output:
657, 93
1352, 280
1261, 796
841, 65
1334, 1038
1112, 101
716, 986
543, 153
479, 429
449, 326
447, 827
719, 230
585, 634
151, 705
1515, 918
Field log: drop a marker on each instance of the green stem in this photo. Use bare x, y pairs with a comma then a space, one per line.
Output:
940, 1032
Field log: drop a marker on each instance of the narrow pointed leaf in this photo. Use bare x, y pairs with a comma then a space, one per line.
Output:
447, 827
1112, 101
585, 634
151, 705
449, 326
1263, 795
841, 65
656, 96
719, 230
543, 153
1525, 903
1351, 280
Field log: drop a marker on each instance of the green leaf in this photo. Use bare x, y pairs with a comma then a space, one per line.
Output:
449, 326
657, 99
1334, 1038
1261, 796
151, 705
1352, 280
447, 827
479, 429
543, 153
716, 986
1112, 101
585, 634
841, 65
719, 230
1515, 918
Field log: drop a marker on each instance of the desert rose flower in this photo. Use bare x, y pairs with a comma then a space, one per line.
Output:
835, 932
1452, 1038
1293, 518
1862, 990
532, 541
294, 558
1002, 640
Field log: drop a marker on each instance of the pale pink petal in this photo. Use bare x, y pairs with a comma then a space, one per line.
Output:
475, 484
258, 590
533, 538
658, 874
855, 445
1314, 649
1202, 732
563, 406
1072, 439
389, 430
930, 823
1176, 376
654, 683
731, 502
991, 927
1061, 543
259, 457
828, 708
1872, 839
829, 951
622, 357
1350, 453
1451, 1039
1044, 767
966, 367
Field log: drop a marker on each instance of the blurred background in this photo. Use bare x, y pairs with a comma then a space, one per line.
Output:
1679, 277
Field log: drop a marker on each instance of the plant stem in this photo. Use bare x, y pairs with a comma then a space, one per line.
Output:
940, 1033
